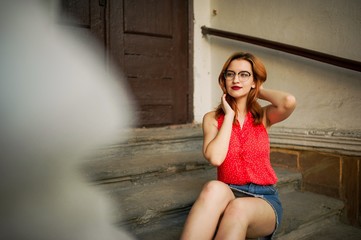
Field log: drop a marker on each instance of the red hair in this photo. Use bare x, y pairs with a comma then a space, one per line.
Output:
259, 77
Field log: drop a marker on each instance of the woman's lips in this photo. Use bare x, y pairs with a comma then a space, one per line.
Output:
236, 88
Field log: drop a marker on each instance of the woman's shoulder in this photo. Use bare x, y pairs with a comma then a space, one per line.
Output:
210, 117
211, 114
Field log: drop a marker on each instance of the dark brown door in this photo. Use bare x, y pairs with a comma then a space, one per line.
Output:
85, 15
148, 40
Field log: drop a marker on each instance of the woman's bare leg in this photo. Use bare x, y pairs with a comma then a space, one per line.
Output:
247, 217
203, 218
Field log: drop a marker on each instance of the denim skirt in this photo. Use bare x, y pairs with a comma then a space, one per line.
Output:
269, 193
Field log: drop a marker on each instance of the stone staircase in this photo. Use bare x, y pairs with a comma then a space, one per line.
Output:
156, 174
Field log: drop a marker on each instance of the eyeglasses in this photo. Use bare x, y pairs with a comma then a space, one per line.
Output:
242, 75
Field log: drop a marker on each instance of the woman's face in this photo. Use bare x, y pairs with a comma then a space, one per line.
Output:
239, 78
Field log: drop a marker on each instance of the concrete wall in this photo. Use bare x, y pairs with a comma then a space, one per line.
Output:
334, 175
202, 61
326, 95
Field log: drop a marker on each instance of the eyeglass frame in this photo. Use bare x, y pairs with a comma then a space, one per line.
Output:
242, 79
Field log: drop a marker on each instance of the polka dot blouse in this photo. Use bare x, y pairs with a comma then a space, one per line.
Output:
248, 156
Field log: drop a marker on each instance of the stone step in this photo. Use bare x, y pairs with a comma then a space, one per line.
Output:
334, 230
169, 193
301, 209
138, 167
168, 196
142, 141
142, 167
305, 211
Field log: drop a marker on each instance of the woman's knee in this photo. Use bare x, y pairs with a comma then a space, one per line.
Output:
239, 211
217, 191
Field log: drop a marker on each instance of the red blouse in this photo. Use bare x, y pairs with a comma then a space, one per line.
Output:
248, 156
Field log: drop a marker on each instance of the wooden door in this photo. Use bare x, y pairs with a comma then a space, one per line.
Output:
148, 40
88, 15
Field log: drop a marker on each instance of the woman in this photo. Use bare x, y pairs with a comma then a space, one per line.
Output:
243, 202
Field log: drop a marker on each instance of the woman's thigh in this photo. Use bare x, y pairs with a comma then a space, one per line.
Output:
256, 213
216, 192
204, 216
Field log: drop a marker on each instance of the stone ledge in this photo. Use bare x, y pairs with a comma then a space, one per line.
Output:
326, 140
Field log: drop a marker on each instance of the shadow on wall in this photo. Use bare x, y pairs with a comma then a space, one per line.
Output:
57, 103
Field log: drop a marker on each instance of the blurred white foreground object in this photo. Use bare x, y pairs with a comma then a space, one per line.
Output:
57, 104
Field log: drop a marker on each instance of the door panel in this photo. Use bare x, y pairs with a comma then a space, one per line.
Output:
85, 14
76, 12
156, 114
148, 41
155, 94
156, 55
144, 67
152, 17
147, 45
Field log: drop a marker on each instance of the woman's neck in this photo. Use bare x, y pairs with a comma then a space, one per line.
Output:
241, 108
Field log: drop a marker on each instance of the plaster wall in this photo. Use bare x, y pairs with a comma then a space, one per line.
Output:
328, 97
202, 61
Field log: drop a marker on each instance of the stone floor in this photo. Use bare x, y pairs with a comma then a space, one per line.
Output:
337, 231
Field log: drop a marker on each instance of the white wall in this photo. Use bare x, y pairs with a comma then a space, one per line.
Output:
328, 97
202, 61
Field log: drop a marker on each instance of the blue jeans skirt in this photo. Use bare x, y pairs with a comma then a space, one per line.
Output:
269, 193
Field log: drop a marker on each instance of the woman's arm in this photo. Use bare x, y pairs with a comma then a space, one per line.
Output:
215, 143
281, 107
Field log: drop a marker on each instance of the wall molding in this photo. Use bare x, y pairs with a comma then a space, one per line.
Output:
326, 140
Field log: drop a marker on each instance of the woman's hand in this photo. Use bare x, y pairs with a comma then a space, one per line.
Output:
226, 107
